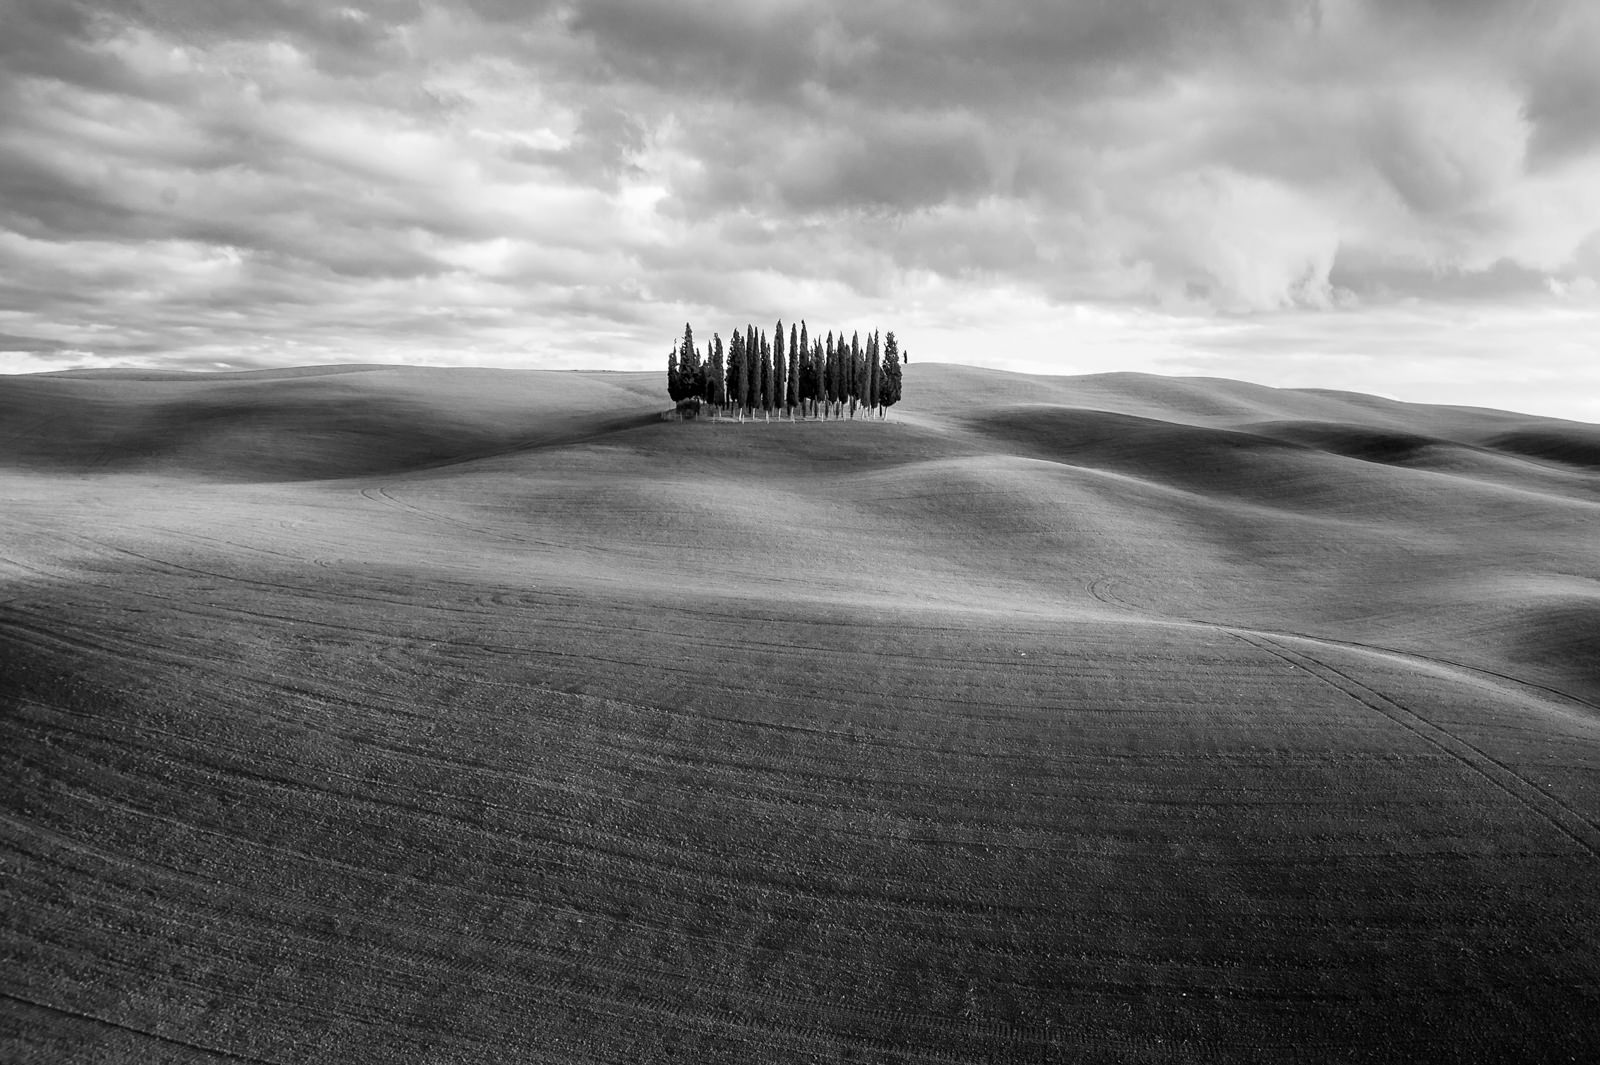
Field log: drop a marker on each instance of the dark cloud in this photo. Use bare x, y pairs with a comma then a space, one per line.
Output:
41, 199
897, 165
513, 12
602, 149
1383, 282
906, 52
747, 49
31, 344
57, 40
1563, 99
352, 38
896, 162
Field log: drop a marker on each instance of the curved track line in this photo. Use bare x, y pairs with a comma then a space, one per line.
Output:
1103, 590
146, 1033
1415, 656
1562, 817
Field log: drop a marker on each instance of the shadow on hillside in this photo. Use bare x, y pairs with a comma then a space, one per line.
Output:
296, 428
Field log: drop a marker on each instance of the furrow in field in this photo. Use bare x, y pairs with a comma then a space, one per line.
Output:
1560, 816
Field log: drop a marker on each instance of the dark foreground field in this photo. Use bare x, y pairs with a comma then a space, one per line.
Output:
471, 716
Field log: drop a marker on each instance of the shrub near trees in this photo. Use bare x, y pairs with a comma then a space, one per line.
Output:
796, 377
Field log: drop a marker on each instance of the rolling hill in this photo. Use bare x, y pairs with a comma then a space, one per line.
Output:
397, 714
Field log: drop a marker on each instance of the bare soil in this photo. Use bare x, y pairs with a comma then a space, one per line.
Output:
465, 716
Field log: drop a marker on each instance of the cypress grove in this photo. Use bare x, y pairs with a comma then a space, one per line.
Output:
797, 376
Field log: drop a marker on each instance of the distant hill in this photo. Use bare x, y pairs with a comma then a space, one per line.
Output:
300, 424
336, 421
1208, 496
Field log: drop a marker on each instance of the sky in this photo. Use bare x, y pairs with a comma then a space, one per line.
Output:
1399, 197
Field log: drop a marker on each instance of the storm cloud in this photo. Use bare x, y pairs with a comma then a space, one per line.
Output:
251, 182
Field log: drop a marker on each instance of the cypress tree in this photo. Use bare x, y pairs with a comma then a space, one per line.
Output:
805, 378
738, 373
841, 371
766, 376
854, 385
891, 371
862, 374
872, 373
816, 376
760, 369
752, 356
877, 368
842, 389
847, 378
756, 384
780, 372
688, 362
791, 384
716, 386
735, 368
805, 381
792, 394
821, 370
832, 376
829, 376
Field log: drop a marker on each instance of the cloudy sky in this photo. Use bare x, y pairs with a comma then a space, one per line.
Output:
1395, 196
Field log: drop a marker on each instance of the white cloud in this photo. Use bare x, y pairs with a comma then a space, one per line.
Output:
1258, 184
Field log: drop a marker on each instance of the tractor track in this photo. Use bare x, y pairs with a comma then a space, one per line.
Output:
1558, 814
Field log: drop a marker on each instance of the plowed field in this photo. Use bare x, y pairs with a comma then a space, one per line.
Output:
466, 716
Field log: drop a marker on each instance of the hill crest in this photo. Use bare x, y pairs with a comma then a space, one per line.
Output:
323, 422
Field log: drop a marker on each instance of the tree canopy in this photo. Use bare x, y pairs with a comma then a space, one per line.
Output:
797, 376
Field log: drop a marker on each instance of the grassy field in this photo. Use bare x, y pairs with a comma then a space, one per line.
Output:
465, 716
